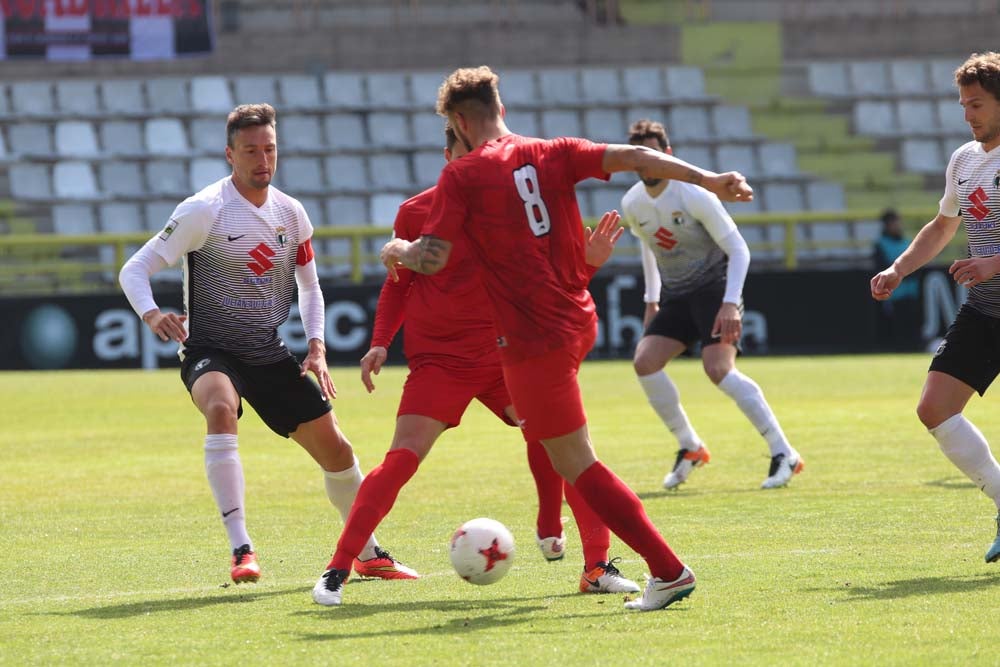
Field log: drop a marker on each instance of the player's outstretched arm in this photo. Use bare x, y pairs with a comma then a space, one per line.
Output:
728, 186
427, 255
371, 364
601, 239
927, 244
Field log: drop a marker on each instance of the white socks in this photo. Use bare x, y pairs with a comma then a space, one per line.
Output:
341, 488
750, 399
225, 476
666, 402
965, 446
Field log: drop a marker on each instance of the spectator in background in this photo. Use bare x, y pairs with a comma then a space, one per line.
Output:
899, 315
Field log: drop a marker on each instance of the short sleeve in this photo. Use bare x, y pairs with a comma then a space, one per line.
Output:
949, 205
585, 158
185, 231
448, 208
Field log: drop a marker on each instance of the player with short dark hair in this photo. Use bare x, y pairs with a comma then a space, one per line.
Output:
514, 199
245, 246
968, 360
694, 261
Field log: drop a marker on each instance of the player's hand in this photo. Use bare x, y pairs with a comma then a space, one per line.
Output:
371, 363
651, 310
602, 239
315, 363
884, 282
390, 254
168, 326
728, 325
730, 186
973, 271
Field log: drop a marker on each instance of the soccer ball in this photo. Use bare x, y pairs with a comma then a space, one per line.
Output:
482, 550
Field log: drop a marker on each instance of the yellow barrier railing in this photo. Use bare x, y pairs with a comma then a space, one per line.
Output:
31, 263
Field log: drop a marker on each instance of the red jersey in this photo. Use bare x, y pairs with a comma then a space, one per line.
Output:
514, 198
447, 315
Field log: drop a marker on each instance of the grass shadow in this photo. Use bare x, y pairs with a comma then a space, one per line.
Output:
954, 482
918, 587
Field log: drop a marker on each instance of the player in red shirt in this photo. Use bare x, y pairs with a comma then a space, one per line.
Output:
450, 344
513, 198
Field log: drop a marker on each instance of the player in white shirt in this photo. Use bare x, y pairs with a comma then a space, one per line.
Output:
694, 262
969, 358
244, 246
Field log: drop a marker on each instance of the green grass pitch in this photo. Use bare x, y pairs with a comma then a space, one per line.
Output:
113, 554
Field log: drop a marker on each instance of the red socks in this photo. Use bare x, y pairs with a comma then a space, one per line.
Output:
550, 491
594, 535
374, 500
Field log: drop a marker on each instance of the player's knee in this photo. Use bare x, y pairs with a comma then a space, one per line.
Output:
931, 415
716, 372
221, 416
644, 364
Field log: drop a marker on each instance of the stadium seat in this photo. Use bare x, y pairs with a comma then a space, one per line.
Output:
868, 79
700, 156
346, 172
347, 211
167, 177
783, 197
731, 122
685, 83
122, 137
523, 122
908, 77
121, 179
210, 94
837, 235
825, 196
603, 199
942, 77
388, 90
735, 157
207, 170
518, 89
650, 112
344, 90
389, 129
427, 167
314, 209
778, 160
756, 238
76, 138
875, 118
951, 117
123, 96
916, 117
866, 232
168, 95
30, 139
428, 129
424, 89
560, 123
121, 218
74, 180
644, 84
688, 123
300, 92
922, 156
748, 207
31, 98
950, 144
559, 87
157, 213
208, 135
389, 171
302, 175
583, 203
600, 84
29, 181
73, 219
77, 97
384, 207
828, 79
300, 133
604, 125
255, 89
344, 130
166, 136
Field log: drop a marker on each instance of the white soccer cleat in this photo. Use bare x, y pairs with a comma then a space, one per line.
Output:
329, 590
553, 548
606, 578
660, 593
687, 460
781, 470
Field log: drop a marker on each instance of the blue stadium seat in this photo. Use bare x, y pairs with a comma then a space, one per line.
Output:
255, 89
942, 77
868, 79
123, 97
736, 157
157, 213
30, 181
825, 196
685, 83
168, 95
389, 171
300, 92
346, 173
347, 211
384, 206
208, 135
73, 219
689, 123
951, 117
389, 129
344, 90
518, 89
168, 178
388, 90
877, 119
644, 84
122, 138
207, 170
32, 98
922, 156
344, 130
121, 218
601, 84
121, 179
731, 122
424, 89
427, 167
560, 123
778, 160
77, 97
828, 79
604, 125
524, 122
559, 87
314, 209
908, 77
428, 129
300, 133
783, 197
30, 139
917, 117
301, 175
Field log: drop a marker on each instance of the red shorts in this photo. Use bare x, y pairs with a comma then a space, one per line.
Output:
444, 393
545, 390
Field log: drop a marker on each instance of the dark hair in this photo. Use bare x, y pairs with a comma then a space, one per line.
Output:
889, 215
981, 68
248, 115
474, 89
450, 138
644, 129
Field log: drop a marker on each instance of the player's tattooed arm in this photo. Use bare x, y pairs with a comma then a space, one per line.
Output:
693, 176
427, 255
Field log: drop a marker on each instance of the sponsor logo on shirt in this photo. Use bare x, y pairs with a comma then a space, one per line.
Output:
979, 210
247, 304
263, 254
169, 229
257, 280
665, 239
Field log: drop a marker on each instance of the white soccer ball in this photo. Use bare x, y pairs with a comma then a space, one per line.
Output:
482, 551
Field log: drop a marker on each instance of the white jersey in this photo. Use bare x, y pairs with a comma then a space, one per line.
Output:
239, 268
972, 190
680, 227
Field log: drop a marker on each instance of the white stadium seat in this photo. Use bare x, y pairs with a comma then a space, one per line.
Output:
157, 213
600, 84
302, 174
643, 84
300, 91
314, 209
255, 89
346, 172
559, 86
76, 138
560, 123
300, 133
951, 117
942, 77
428, 129
424, 89
344, 90
735, 157
390, 129
685, 83
74, 180
77, 97
122, 137
828, 79
384, 207
389, 171
73, 219
875, 118
688, 123
30, 181
121, 218
210, 94
168, 95
778, 160
388, 90
519, 89
784, 197
731, 122
916, 117
344, 130
524, 122
123, 96
825, 196
208, 135
30, 139
121, 179
32, 98
207, 170
166, 136
700, 156
167, 177
868, 78
427, 167
922, 156
908, 77
347, 211
604, 125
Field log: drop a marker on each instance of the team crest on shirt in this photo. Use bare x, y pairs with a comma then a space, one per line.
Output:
996, 179
168, 230
677, 217
280, 236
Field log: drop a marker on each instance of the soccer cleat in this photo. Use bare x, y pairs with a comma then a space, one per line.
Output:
605, 578
687, 460
660, 594
383, 566
329, 590
993, 553
245, 567
781, 470
553, 548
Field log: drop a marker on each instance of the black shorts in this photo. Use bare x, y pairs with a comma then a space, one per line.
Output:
689, 318
970, 351
278, 393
